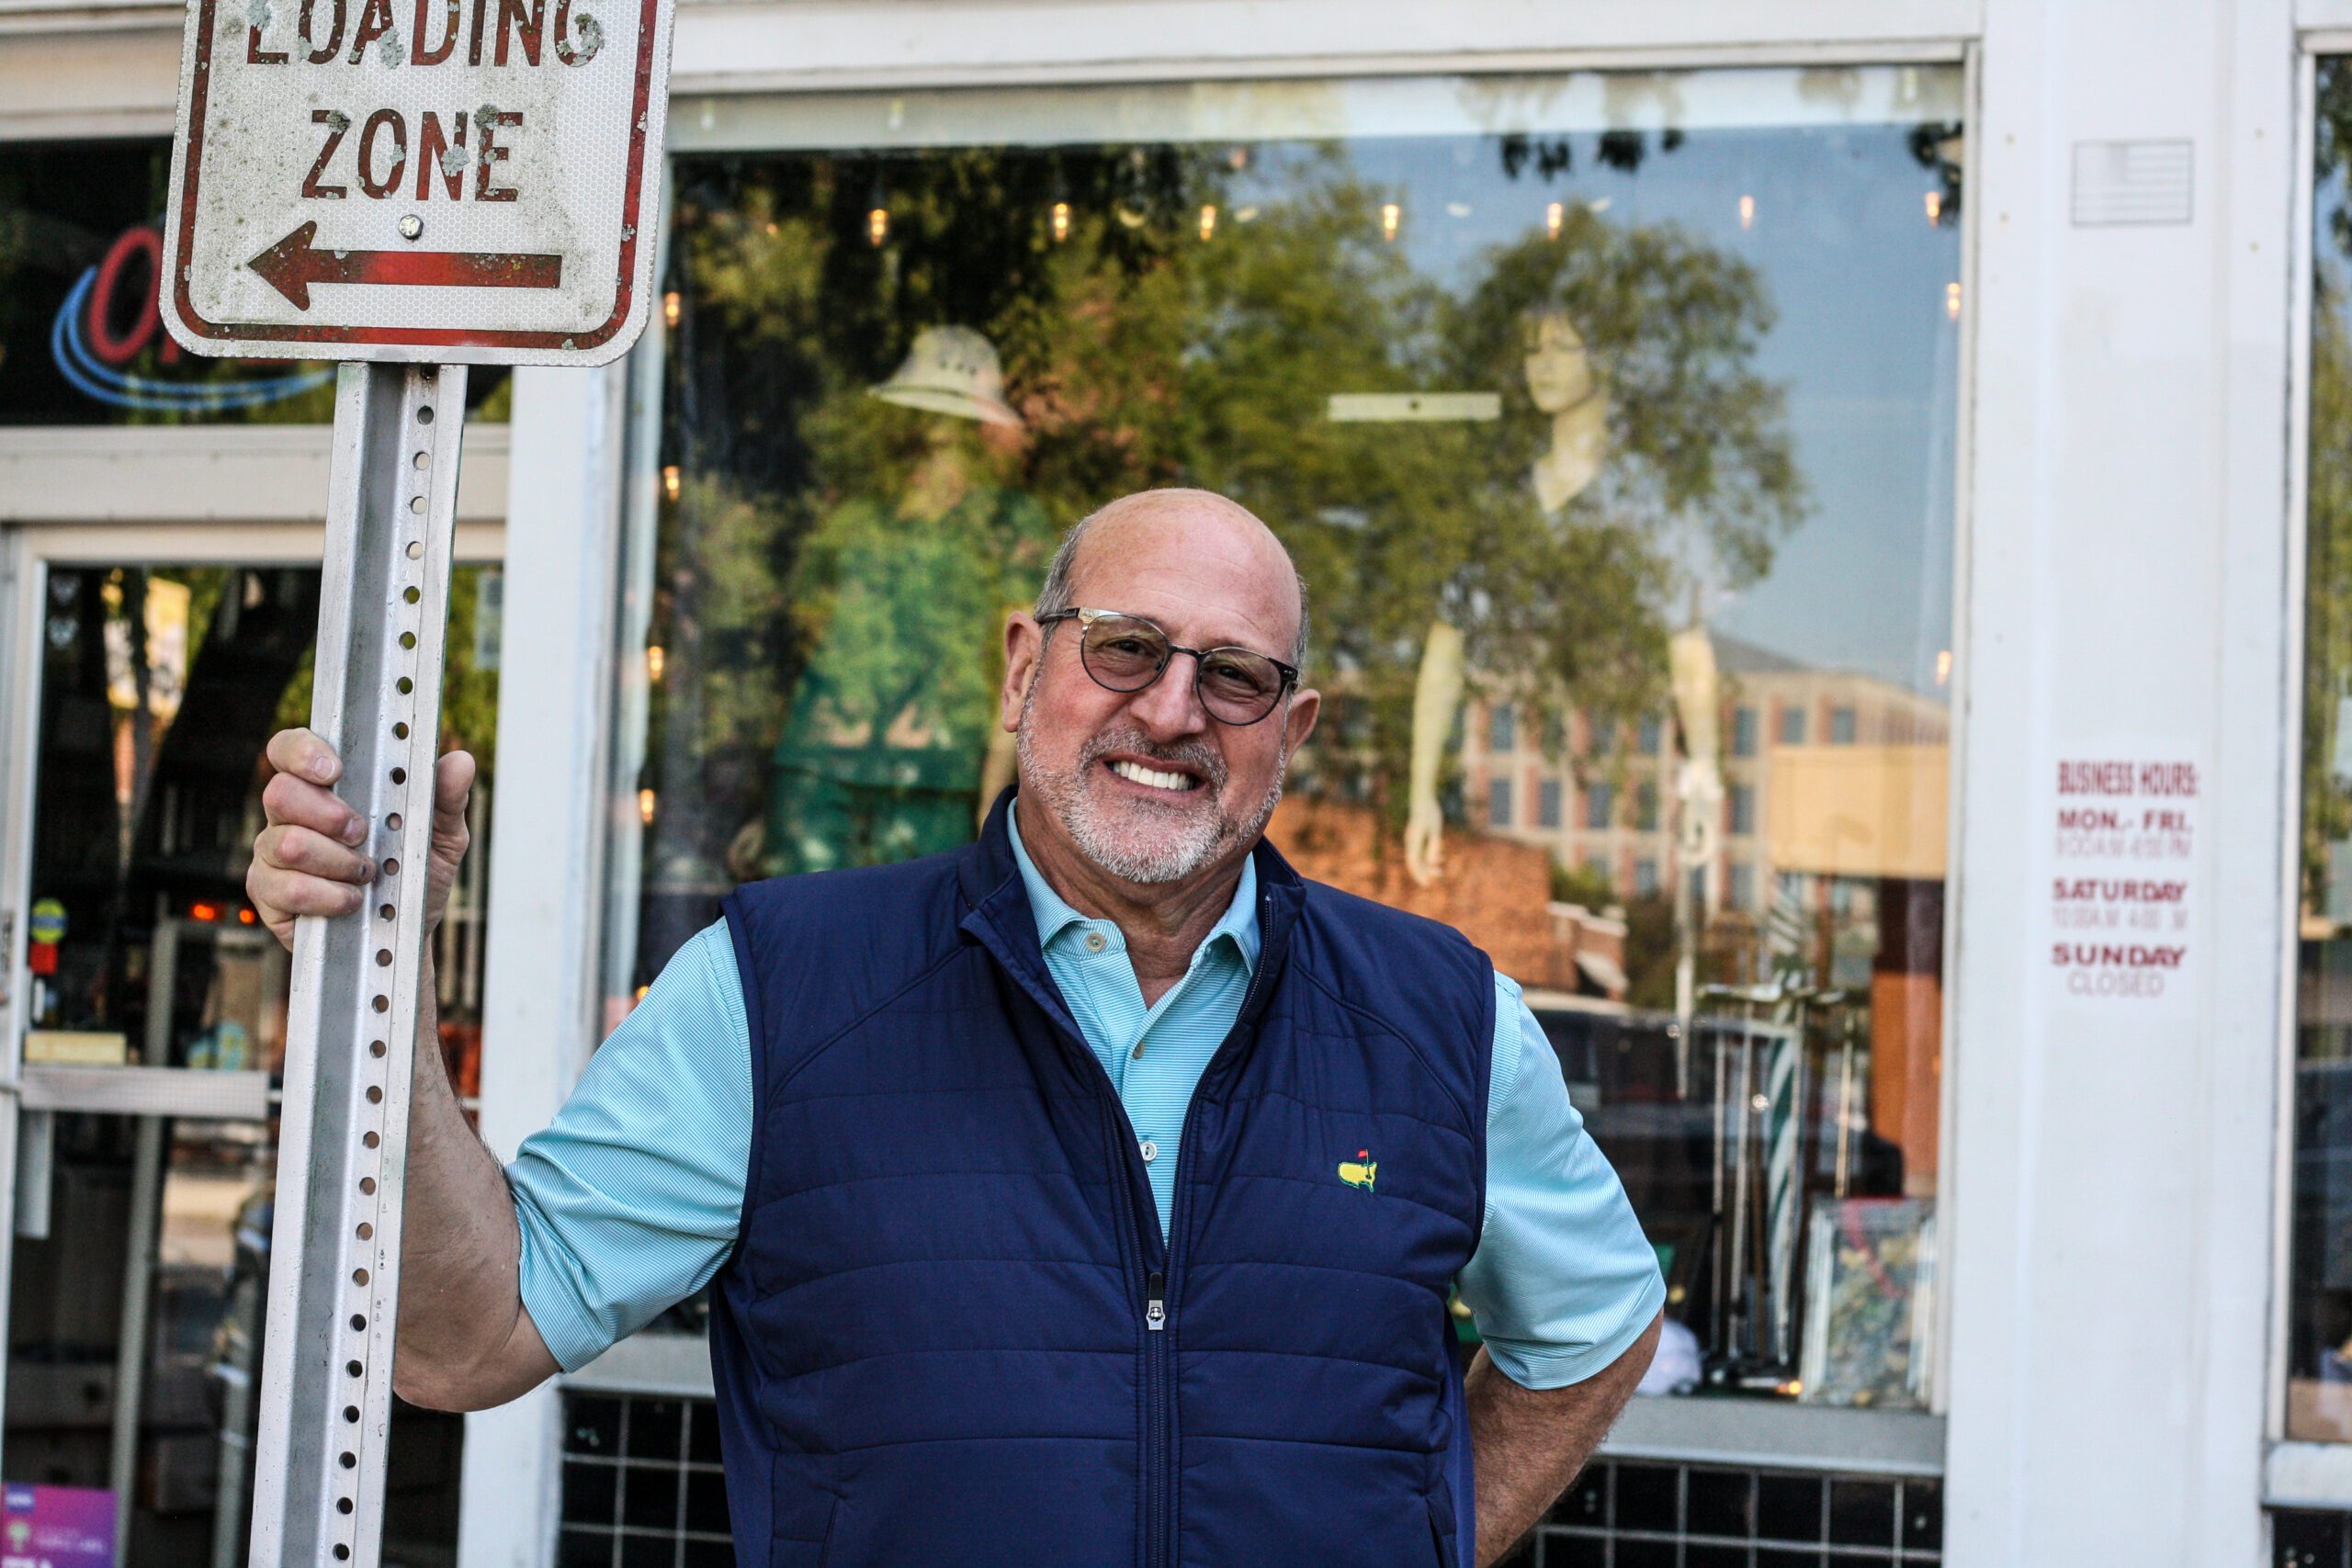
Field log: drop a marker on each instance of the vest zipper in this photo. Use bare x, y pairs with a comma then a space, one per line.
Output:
1159, 1548
1157, 1409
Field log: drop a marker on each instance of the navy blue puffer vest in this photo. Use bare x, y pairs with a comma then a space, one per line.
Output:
951, 1332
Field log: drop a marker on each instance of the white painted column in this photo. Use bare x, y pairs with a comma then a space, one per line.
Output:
547, 860
2110, 1227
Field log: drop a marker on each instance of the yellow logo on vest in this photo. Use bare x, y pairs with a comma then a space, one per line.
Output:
1359, 1172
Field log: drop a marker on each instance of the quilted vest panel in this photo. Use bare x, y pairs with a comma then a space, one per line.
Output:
950, 1330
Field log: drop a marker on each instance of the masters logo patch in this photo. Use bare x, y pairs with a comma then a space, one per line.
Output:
1359, 1172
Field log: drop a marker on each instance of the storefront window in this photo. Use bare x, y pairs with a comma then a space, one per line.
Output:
141, 1238
1640, 390
2319, 1339
81, 339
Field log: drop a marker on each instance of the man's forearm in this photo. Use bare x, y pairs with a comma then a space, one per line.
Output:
1529, 1443
464, 1340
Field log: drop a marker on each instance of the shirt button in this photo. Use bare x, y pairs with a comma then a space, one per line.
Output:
1150, 1150
1094, 941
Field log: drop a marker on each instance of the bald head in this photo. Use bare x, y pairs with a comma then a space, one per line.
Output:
1216, 540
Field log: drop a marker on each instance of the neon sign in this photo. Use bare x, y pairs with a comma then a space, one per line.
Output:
89, 350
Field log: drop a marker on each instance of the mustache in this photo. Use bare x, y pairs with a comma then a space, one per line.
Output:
1195, 754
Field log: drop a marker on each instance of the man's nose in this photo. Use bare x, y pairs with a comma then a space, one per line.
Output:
1170, 708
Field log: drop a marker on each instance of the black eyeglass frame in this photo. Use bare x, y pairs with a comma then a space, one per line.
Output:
1086, 616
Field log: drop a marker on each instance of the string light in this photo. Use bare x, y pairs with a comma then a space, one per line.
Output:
1943, 666
1390, 215
1061, 221
1951, 301
1935, 207
670, 482
670, 306
1748, 213
656, 659
1552, 216
877, 225
1208, 222
645, 807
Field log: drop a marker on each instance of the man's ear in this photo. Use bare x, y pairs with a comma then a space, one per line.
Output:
1305, 706
1024, 651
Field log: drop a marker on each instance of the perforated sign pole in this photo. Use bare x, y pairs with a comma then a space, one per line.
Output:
334, 1275
413, 186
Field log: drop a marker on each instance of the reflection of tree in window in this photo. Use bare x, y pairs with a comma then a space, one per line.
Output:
1138, 354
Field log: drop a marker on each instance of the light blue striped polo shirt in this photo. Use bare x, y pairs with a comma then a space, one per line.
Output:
629, 1200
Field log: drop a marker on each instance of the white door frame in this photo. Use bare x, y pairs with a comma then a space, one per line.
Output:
27, 554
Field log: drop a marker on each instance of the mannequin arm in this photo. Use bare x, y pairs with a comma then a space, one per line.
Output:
1436, 696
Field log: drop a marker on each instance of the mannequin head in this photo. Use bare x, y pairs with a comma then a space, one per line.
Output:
1559, 369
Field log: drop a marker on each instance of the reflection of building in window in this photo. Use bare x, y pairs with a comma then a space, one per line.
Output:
1872, 807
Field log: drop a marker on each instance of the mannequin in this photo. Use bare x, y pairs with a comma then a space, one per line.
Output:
1562, 381
888, 749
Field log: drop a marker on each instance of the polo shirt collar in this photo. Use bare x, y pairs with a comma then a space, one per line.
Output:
1238, 925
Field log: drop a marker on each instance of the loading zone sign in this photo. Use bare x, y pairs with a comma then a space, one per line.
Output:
446, 181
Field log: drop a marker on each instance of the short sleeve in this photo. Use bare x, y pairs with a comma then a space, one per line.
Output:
1564, 1282
630, 1199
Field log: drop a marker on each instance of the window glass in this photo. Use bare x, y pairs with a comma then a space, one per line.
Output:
1841, 726
1743, 810
1608, 381
1502, 732
1793, 727
2319, 1338
81, 338
160, 683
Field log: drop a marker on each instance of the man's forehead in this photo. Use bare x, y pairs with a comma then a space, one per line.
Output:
1209, 565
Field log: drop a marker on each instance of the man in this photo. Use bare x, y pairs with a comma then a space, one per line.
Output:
1088, 1195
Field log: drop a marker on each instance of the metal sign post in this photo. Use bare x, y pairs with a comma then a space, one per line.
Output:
417, 186
335, 1244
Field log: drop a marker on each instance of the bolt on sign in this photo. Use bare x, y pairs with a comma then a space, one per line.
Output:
450, 181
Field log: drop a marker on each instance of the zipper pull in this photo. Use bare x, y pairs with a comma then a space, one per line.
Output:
1155, 1297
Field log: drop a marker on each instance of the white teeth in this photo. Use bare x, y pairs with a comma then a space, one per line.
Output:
1151, 776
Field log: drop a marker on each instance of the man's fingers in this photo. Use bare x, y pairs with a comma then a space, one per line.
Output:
287, 799
453, 780
278, 892
285, 846
303, 754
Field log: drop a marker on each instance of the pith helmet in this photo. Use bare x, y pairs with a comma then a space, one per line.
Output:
950, 371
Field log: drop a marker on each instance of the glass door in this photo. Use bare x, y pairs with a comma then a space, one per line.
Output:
148, 1038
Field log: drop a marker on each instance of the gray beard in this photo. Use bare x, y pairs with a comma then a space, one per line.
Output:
1206, 829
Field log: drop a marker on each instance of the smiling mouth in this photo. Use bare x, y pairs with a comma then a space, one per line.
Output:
1154, 778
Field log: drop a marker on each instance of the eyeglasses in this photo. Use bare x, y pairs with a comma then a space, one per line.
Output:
1127, 653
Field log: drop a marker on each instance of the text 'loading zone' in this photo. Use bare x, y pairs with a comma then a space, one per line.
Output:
420, 180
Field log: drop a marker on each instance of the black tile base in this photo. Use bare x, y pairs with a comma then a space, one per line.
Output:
1624, 1514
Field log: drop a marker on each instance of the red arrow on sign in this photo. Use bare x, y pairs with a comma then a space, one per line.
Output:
293, 263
